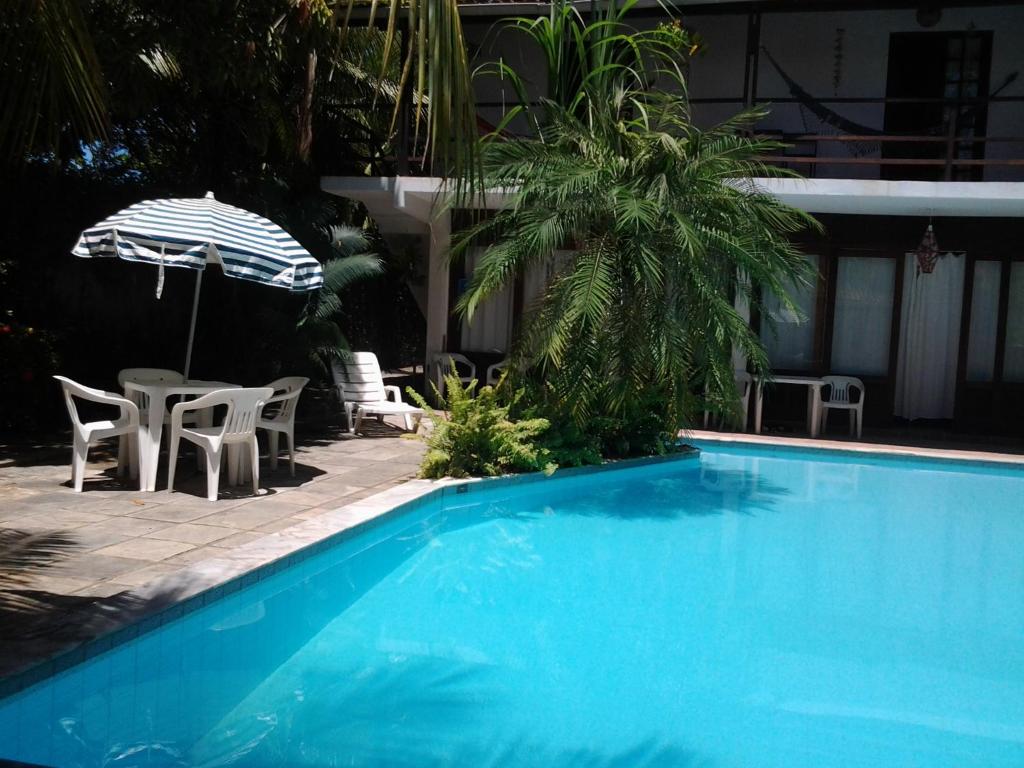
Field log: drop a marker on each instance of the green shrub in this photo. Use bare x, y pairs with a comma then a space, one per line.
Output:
479, 438
640, 427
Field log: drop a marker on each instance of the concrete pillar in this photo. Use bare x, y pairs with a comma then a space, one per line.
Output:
742, 305
437, 288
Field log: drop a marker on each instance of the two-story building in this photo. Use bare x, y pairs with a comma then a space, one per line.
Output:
901, 116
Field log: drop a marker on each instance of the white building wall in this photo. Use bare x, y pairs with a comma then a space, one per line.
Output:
804, 45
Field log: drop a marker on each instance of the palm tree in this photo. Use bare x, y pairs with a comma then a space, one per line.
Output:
318, 329
50, 78
665, 228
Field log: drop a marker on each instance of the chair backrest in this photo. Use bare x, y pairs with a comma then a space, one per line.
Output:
839, 388
149, 376
494, 372
442, 363
243, 409
358, 378
287, 389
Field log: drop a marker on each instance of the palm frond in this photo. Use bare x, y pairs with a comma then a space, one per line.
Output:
50, 78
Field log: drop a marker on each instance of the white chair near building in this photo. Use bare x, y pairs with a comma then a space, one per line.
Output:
840, 398
494, 372
361, 390
441, 366
744, 385
237, 429
281, 417
88, 433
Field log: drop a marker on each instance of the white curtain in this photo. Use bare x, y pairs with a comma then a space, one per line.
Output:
929, 338
491, 327
862, 326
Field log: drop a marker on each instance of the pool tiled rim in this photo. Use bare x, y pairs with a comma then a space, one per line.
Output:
209, 580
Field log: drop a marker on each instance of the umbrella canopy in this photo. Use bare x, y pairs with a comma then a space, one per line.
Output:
192, 232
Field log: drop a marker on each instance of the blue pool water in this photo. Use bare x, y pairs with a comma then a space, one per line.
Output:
747, 610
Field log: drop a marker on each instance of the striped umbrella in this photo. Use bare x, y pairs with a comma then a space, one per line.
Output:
192, 232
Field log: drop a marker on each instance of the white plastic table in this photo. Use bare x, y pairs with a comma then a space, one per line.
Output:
152, 426
813, 384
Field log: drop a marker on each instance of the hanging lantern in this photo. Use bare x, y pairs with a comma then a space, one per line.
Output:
927, 252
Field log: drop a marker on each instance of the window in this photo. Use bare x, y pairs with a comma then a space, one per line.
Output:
865, 287
1013, 359
788, 337
982, 335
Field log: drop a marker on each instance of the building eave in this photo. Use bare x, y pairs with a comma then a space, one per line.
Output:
406, 204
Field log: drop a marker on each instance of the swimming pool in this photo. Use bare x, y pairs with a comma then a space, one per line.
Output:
747, 609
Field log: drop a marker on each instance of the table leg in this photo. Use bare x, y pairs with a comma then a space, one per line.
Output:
815, 395
809, 411
758, 406
149, 443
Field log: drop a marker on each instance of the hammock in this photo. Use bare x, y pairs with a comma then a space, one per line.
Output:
830, 122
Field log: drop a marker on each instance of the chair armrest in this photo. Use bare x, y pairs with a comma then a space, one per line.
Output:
205, 401
391, 389
129, 409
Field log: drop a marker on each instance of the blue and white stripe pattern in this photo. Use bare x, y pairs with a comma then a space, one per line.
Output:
190, 232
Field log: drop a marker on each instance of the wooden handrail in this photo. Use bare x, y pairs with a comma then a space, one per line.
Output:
935, 162
895, 138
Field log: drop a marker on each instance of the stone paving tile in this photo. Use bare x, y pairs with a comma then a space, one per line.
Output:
277, 525
127, 526
192, 533
248, 517
237, 539
203, 553
103, 589
59, 585
93, 566
146, 549
144, 575
175, 513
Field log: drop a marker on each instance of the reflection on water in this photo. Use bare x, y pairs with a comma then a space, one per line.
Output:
747, 610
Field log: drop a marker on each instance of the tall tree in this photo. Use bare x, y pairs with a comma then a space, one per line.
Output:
664, 224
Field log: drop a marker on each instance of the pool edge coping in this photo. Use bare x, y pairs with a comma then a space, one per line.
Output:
207, 581
864, 450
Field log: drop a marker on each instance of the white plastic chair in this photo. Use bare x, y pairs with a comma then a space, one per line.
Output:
286, 397
361, 390
238, 428
90, 432
494, 371
442, 366
744, 386
839, 399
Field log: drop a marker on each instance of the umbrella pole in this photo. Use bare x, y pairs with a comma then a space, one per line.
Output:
192, 325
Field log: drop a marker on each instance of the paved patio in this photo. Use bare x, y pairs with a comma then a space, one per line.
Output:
84, 553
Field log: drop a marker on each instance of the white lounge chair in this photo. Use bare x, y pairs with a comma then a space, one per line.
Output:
286, 397
91, 432
238, 428
839, 399
362, 392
